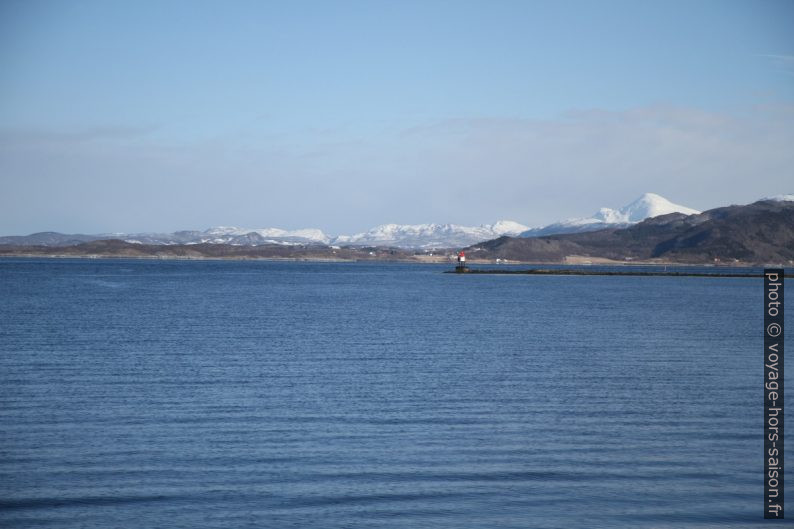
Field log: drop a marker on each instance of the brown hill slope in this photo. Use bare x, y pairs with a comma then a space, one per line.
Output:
762, 232
117, 248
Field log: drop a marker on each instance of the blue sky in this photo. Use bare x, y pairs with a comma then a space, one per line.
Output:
149, 116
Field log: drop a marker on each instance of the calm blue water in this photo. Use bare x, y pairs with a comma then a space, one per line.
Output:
287, 395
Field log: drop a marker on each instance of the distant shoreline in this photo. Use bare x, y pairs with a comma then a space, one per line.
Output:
187, 258
580, 269
225, 258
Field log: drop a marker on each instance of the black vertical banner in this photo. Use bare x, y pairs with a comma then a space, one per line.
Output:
773, 393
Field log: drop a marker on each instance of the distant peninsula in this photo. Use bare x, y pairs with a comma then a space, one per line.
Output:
297, 252
758, 233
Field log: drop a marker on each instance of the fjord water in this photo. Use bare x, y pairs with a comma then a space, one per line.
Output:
265, 394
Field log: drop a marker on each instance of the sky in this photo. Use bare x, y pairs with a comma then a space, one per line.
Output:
163, 115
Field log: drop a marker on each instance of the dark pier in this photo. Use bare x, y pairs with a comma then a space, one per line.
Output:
578, 272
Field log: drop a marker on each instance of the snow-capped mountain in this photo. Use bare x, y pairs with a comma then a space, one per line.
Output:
310, 235
780, 198
231, 235
430, 235
396, 235
647, 206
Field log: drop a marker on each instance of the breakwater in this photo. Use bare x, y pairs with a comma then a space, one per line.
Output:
597, 272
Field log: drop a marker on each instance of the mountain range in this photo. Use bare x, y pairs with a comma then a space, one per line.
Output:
762, 232
757, 233
406, 236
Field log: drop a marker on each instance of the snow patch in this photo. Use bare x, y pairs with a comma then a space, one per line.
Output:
233, 234
430, 235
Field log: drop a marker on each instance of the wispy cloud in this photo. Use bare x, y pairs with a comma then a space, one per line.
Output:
534, 170
783, 63
105, 133
464, 170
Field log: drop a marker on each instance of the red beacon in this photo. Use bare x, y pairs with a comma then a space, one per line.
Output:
461, 262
